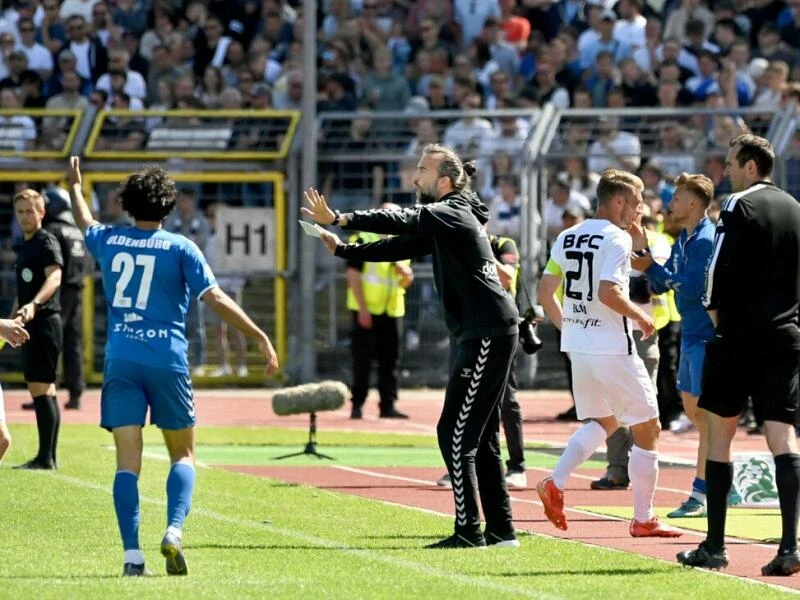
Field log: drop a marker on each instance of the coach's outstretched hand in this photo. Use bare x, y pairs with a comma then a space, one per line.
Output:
329, 240
318, 208
13, 331
75, 171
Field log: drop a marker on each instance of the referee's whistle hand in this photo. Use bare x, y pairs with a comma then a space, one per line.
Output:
14, 332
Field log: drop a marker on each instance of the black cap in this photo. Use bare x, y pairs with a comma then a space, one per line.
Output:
57, 206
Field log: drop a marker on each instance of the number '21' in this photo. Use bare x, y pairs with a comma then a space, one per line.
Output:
575, 275
125, 264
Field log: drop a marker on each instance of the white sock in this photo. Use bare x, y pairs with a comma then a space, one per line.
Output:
643, 472
134, 556
580, 447
174, 531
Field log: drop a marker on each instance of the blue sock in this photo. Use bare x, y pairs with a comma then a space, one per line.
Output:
180, 485
699, 485
126, 505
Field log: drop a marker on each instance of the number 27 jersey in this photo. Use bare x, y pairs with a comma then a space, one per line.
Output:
584, 255
147, 278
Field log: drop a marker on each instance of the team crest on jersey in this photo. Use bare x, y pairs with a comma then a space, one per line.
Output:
27, 275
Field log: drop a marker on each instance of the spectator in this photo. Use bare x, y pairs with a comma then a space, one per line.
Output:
437, 96
17, 65
20, 130
630, 28
604, 43
39, 57
81, 8
30, 94
505, 209
135, 86
601, 79
580, 178
465, 135
211, 45
51, 32
90, 54
562, 198
163, 33
653, 179
131, 16
54, 129
636, 85
66, 64
288, 91
472, 16
671, 156
614, 149
113, 213
689, 10
771, 95
161, 68
101, 23
504, 54
509, 137
382, 89
121, 132
547, 88
772, 48
697, 33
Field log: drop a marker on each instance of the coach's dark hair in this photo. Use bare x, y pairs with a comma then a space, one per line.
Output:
757, 149
614, 182
458, 172
148, 195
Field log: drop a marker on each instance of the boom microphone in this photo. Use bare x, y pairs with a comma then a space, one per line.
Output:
309, 398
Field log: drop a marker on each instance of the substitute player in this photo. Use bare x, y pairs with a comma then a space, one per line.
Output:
148, 275
611, 383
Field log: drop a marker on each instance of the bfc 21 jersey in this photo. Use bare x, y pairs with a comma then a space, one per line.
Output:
147, 278
584, 255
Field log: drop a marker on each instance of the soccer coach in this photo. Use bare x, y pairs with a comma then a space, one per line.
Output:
752, 296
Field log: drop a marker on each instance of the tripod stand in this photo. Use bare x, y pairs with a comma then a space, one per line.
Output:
311, 446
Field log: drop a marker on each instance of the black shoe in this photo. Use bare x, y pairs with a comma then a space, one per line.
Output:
393, 413
458, 541
782, 564
355, 412
37, 465
704, 557
570, 414
73, 405
134, 570
508, 540
755, 430
609, 483
28, 406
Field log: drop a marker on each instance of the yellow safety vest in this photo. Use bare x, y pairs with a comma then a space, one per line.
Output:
498, 242
380, 284
661, 302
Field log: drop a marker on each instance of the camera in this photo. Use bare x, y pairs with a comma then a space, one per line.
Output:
531, 343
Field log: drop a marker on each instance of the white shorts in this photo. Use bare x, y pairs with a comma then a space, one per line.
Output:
618, 385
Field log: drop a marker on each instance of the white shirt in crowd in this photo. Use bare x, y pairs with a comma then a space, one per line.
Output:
135, 85
39, 57
623, 144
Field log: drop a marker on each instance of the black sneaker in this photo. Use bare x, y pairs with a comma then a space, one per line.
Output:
571, 414
704, 557
494, 540
134, 570
782, 564
458, 541
28, 406
355, 412
609, 483
35, 464
393, 413
73, 405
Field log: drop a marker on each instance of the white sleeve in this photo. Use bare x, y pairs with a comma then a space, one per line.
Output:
616, 260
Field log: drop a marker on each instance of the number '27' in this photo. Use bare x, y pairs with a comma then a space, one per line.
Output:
125, 264
576, 275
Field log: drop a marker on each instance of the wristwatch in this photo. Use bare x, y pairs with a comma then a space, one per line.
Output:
337, 216
36, 305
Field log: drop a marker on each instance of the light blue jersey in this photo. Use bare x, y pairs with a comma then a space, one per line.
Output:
147, 278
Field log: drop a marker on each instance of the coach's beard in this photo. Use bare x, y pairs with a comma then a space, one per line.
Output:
427, 196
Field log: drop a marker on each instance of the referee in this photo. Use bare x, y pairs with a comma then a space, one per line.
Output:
752, 296
38, 269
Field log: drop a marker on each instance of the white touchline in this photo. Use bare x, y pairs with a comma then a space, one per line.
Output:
409, 565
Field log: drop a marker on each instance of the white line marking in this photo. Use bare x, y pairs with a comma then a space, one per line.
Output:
378, 557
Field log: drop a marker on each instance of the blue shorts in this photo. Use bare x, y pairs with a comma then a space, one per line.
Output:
130, 388
690, 368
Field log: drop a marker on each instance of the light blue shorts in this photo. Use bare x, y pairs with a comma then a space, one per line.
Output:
130, 388
690, 368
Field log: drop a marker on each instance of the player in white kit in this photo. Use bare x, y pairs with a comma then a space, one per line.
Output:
610, 382
13, 332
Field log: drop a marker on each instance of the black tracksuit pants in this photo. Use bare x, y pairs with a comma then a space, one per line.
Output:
469, 432
511, 416
381, 343
72, 352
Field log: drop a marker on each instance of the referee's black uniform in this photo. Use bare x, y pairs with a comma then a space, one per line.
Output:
753, 282
59, 222
483, 319
40, 354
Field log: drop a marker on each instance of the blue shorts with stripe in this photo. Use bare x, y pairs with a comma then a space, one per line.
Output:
690, 367
129, 389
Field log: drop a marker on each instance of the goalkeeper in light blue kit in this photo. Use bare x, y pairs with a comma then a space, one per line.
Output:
148, 274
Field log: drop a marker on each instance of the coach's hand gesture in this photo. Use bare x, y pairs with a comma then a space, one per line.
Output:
318, 209
329, 240
75, 171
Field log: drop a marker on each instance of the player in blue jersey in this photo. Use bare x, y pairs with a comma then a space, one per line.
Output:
148, 275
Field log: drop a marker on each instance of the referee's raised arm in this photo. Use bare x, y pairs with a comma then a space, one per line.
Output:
80, 210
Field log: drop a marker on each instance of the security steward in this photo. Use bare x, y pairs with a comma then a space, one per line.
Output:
38, 269
376, 299
58, 220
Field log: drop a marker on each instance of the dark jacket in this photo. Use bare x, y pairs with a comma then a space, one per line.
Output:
474, 303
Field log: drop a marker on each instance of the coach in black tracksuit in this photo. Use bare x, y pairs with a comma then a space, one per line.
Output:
479, 313
59, 221
753, 295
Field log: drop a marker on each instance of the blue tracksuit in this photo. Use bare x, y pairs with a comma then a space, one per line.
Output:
685, 272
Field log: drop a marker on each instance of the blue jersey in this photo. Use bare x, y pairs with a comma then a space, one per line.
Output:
147, 278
